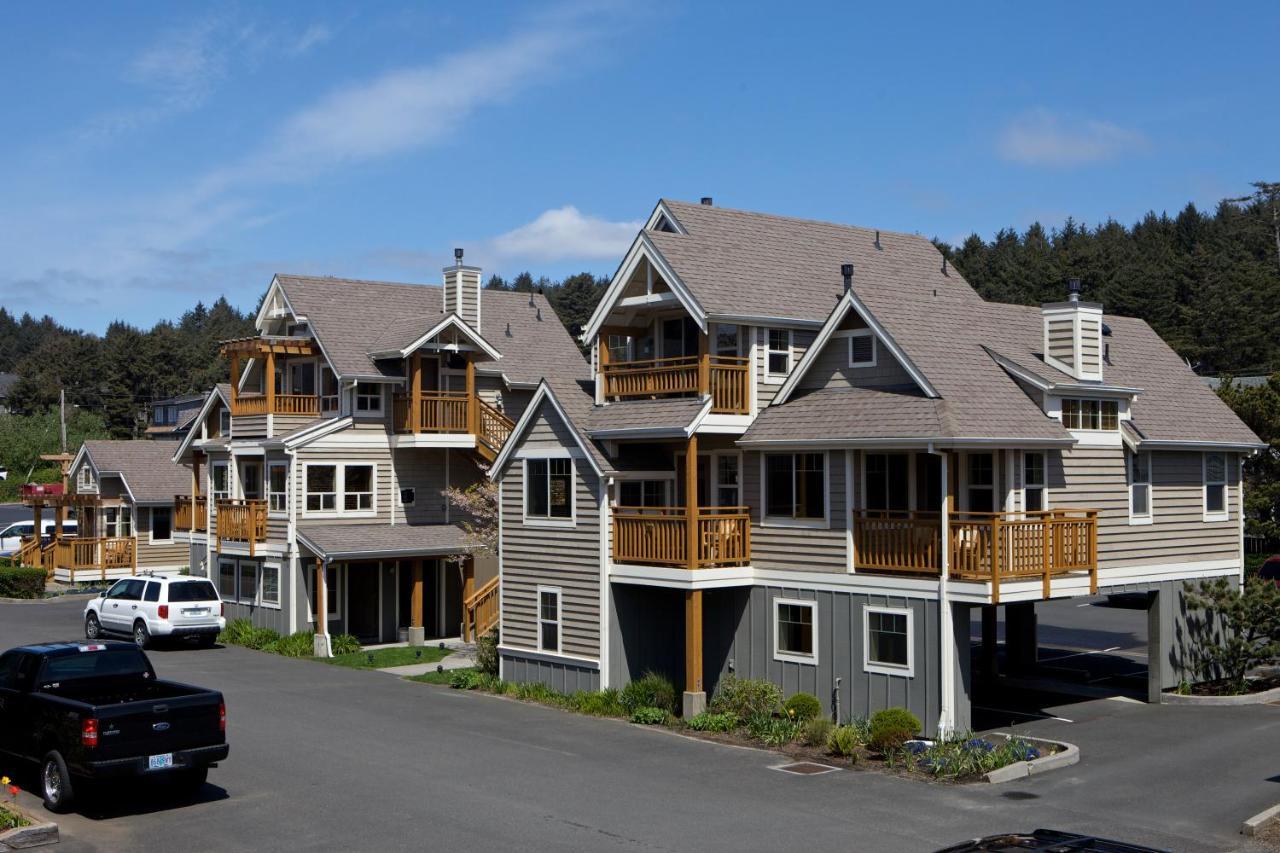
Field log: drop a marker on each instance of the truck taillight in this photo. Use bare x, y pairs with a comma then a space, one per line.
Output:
89, 732
163, 610
222, 716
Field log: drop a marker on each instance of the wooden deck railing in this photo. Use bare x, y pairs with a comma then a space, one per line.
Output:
480, 611
439, 411
725, 378
241, 520
276, 404
493, 428
92, 556
28, 553
908, 542
659, 536
190, 513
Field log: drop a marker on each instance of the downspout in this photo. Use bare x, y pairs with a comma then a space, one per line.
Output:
946, 628
291, 541
606, 524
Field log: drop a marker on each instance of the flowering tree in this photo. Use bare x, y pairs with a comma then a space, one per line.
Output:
479, 505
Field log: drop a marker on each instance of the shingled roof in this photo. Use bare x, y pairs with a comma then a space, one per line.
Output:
148, 471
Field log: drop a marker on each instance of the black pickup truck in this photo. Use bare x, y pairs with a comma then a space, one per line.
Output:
85, 712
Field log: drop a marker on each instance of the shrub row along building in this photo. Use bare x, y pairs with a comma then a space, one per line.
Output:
800, 451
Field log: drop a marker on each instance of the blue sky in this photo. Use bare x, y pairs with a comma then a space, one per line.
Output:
155, 154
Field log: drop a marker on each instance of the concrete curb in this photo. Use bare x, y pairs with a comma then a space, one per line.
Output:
1067, 754
1262, 698
38, 833
1260, 821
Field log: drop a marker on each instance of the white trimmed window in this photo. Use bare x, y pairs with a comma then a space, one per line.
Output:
369, 399
887, 641
248, 582
795, 628
270, 586
117, 521
219, 481
227, 580
1140, 488
1091, 414
1033, 483
278, 487
548, 619
1215, 487
328, 390
86, 478
981, 482
322, 488
161, 524
548, 491
224, 422
777, 353
357, 488
795, 487
728, 480
862, 348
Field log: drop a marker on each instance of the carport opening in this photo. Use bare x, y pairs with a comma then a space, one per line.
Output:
1031, 659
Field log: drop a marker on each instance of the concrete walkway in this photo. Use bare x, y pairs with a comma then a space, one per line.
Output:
461, 655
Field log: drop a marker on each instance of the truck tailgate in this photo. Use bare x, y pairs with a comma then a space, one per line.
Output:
157, 726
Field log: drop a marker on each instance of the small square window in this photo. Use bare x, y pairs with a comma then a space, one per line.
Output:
794, 624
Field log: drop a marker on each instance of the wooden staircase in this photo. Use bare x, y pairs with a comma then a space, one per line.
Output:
493, 428
480, 612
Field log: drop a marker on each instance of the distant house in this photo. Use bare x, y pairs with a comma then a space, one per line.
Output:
172, 418
7, 381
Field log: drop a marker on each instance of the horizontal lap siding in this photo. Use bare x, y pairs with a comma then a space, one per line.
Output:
167, 554
831, 369
563, 557
1096, 477
248, 426
767, 390
361, 444
800, 549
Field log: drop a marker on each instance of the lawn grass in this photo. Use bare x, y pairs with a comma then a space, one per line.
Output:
395, 656
439, 677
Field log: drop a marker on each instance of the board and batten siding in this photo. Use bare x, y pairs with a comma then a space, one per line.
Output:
564, 557
808, 549
1096, 477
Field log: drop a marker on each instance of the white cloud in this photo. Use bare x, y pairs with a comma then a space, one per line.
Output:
564, 233
1042, 138
313, 36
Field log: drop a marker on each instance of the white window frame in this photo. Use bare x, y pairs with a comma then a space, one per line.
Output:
330, 404
715, 474
123, 524
1148, 517
86, 479
263, 568
1043, 485
225, 494
224, 422
559, 620
359, 395
235, 580
791, 521
1225, 513
875, 347
880, 667
151, 525
252, 600
991, 487
365, 512
271, 509
542, 520
769, 375
306, 490
789, 656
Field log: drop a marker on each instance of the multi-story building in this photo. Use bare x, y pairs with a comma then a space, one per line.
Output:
811, 450
321, 469
172, 418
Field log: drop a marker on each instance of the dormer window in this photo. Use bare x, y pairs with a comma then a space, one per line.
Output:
1101, 415
778, 353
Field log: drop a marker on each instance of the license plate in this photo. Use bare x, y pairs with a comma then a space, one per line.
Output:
195, 611
160, 762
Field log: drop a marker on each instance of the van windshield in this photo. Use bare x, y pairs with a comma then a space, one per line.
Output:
192, 591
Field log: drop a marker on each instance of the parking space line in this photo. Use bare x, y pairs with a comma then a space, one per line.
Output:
1036, 716
1081, 654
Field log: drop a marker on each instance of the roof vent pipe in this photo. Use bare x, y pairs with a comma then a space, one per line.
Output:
878, 246
706, 200
944, 265
457, 257
1073, 290
846, 270
531, 297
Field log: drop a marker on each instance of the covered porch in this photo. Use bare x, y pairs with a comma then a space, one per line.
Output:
285, 377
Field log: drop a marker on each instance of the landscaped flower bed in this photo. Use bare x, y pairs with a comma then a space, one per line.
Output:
10, 819
747, 711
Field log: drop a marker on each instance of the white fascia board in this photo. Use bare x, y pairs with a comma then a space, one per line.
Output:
451, 320
937, 441
641, 432
765, 320
544, 393
320, 430
846, 303
699, 418
660, 211
205, 411
1178, 444
79, 457
642, 248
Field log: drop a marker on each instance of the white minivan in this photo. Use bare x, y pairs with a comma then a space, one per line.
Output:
149, 606
11, 537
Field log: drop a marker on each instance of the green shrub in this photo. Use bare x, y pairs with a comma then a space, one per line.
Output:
536, 691
891, 728
746, 697
649, 691
774, 731
465, 679
963, 756
844, 740
649, 716
344, 644
18, 582
711, 722
598, 703
817, 731
803, 706
487, 652
242, 632
299, 645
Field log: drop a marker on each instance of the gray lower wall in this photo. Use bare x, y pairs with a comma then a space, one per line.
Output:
563, 677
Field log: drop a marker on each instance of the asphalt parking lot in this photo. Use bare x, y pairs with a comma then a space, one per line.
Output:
329, 758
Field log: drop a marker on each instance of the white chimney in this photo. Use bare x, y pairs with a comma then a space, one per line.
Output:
1073, 335
462, 291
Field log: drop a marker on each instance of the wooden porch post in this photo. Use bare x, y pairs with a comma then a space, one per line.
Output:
269, 380
473, 420
235, 382
693, 641
602, 348
322, 600
57, 520
415, 600
415, 402
995, 559
468, 590
691, 502
1046, 522
704, 365
195, 481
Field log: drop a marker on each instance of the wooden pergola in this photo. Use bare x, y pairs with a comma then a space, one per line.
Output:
266, 347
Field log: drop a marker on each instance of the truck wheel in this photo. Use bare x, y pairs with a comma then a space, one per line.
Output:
193, 780
141, 636
55, 784
92, 629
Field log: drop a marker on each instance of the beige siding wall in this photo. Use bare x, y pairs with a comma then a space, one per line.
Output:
248, 426
363, 443
425, 471
285, 424
1097, 478
150, 555
564, 557
831, 369
767, 389
1061, 340
1090, 344
798, 548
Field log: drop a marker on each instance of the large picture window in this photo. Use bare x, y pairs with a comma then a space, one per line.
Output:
1091, 414
117, 521
643, 493
887, 643
322, 488
795, 486
548, 489
548, 619
248, 591
1215, 487
794, 630
886, 481
227, 580
369, 399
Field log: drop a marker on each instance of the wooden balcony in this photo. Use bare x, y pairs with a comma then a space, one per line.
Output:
659, 536
727, 379
73, 559
239, 520
190, 514
275, 404
454, 413
985, 547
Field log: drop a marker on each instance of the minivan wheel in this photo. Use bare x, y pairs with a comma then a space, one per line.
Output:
92, 629
141, 636
55, 784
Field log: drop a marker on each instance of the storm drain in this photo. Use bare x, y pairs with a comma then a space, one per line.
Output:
805, 768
